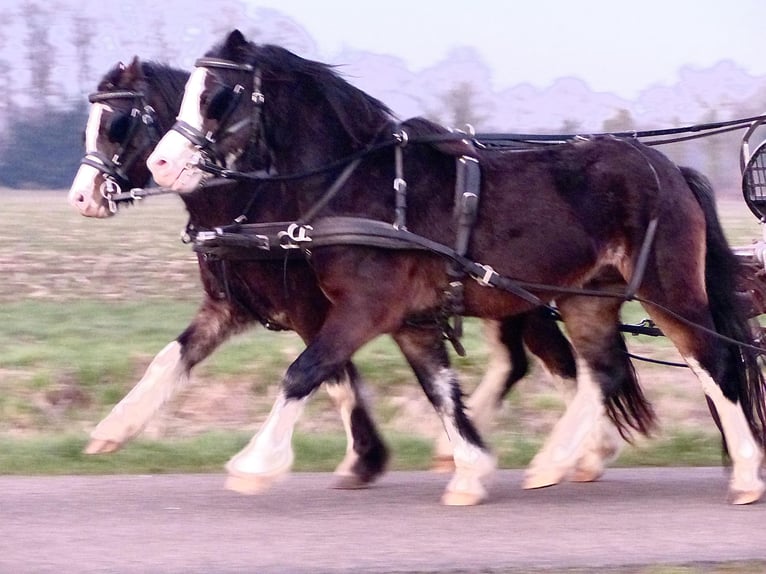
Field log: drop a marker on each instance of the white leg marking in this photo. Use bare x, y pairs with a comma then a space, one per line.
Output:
569, 438
745, 485
269, 455
342, 395
603, 445
472, 463
164, 376
483, 403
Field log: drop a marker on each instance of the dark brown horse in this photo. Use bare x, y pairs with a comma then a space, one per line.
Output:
133, 107
598, 212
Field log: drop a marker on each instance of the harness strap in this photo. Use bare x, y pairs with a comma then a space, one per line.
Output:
368, 232
467, 190
330, 193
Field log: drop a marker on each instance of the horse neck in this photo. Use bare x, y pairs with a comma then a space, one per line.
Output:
307, 137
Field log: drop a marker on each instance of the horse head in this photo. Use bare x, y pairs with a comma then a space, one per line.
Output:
126, 119
251, 107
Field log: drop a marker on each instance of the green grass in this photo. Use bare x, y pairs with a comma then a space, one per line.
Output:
209, 451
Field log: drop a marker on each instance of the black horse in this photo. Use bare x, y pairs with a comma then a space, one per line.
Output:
133, 107
598, 212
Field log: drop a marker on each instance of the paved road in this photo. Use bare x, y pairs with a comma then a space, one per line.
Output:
189, 524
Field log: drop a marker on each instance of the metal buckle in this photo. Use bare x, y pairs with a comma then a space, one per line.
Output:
294, 236
109, 187
484, 281
203, 236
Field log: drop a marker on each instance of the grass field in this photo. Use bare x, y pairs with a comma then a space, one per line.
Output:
86, 304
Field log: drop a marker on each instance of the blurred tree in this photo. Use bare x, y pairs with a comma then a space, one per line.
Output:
459, 107
40, 53
82, 40
622, 121
570, 126
6, 74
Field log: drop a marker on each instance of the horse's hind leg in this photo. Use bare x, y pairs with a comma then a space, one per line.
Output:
166, 375
366, 454
425, 352
545, 340
606, 384
540, 334
729, 384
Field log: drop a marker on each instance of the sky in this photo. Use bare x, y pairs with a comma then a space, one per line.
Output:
616, 46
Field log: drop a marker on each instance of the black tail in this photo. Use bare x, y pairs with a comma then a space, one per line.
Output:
626, 405
741, 380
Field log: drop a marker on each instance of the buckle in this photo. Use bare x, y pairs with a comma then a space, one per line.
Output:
294, 236
485, 280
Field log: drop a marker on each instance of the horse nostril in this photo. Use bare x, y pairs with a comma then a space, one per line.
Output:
79, 198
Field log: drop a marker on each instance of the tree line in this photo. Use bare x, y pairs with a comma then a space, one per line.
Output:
47, 71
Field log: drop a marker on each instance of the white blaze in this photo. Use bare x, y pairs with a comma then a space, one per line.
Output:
85, 193
170, 159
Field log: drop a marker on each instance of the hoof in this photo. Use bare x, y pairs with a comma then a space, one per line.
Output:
745, 497
541, 479
443, 464
99, 446
250, 484
349, 482
453, 498
586, 475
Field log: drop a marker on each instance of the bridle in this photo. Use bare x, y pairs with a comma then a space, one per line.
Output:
114, 169
205, 142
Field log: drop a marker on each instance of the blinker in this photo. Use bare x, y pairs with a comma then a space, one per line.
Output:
118, 128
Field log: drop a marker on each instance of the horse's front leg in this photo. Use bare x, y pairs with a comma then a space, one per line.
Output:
366, 453
166, 375
484, 402
426, 353
269, 455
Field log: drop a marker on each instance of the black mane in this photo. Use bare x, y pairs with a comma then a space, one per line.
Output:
361, 115
167, 82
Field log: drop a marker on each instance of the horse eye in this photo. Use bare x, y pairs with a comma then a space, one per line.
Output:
218, 102
118, 128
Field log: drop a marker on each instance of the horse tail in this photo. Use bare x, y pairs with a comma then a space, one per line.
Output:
625, 403
742, 379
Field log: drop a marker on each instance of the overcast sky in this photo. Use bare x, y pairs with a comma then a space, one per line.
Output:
618, 46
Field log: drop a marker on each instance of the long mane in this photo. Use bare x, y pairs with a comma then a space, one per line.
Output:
167, 82
361, 115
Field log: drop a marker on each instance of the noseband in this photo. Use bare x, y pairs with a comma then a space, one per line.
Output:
114, 169
205, 143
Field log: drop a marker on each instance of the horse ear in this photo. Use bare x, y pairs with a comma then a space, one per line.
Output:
134, 71
235, 40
